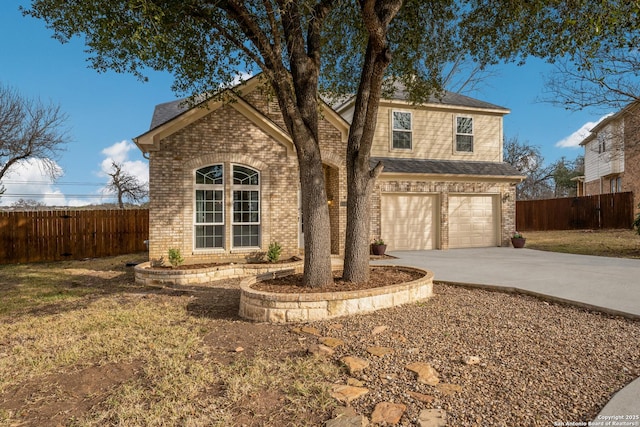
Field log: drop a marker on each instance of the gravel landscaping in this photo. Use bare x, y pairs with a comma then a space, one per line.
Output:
539, 362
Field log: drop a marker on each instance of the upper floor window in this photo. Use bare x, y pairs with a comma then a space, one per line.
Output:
602, 146
401, 130
464, 134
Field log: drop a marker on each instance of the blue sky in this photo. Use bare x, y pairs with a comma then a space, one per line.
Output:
107, 110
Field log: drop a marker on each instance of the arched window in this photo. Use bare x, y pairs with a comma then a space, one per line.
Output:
210, 223
209, 209
246, 207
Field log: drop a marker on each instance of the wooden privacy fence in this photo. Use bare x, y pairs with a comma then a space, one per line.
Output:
71, 234
576, 213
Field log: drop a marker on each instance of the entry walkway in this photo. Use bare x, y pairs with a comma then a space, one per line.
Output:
609, 284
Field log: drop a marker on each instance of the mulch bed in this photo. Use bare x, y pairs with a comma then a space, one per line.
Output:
379, 276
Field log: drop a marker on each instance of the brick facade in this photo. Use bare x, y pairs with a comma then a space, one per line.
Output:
252, 135
227, 137
631, 176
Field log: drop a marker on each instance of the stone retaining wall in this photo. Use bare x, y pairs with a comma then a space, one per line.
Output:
168, 277
283, 308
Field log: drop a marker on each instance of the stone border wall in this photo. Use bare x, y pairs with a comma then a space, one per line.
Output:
274, 307
148, 276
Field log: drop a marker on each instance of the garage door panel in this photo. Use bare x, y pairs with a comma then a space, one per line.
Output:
407, 221
472, 221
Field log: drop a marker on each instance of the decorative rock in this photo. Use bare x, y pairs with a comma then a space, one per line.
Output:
432, 418
331, 342
354, 382
472, 360
355, 364
347, 393
387, 412
344, 411
448, 389
424, 398
426, 374
310, 330
320, 350
379, 351
354, 421
378, 330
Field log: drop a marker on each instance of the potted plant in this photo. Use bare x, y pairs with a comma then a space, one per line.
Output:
378, 247
518, 240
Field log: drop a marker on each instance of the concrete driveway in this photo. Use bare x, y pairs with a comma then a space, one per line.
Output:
612, 284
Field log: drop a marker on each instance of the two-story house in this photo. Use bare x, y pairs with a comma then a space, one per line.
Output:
224, 178
612, 155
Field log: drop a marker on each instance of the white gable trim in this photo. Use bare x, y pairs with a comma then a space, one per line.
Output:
150, 141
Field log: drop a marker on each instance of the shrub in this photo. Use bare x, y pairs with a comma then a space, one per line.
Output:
636, 223
175, 258
273, 254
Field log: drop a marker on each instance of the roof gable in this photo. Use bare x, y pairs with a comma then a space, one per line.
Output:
172, 116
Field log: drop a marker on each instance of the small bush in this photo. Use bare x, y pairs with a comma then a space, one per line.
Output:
175, 258
273, 254
636, 223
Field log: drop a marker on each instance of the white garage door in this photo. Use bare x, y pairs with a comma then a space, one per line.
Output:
408, 221
472, 221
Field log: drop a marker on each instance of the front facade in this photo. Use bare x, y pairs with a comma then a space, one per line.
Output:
224, 178
612, 155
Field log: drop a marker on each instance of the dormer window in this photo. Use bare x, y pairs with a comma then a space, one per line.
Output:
401, 138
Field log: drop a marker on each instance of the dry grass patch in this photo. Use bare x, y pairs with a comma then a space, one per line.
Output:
115, 353
608, 243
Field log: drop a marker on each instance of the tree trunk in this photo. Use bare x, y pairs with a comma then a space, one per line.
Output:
359, 189
360, 177
315, 212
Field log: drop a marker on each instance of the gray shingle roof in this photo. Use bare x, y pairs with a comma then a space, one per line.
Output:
446, 167
167, 111
446, 98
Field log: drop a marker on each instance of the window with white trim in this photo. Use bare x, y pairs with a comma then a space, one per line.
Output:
464, 134
209, 209
246, 207
401, 132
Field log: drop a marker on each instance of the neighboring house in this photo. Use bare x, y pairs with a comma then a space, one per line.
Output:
223, 177
612, 155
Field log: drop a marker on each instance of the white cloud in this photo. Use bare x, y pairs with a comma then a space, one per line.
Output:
574, 140
118, 152
29, 180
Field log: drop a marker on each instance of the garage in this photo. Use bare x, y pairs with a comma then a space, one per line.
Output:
473, 221
409, 221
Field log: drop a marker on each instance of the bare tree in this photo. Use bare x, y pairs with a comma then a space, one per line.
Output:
125, 185
29, 129
528, 160
610, 80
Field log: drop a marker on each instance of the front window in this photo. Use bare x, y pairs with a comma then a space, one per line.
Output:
464, 134
246, 207
209, 209
402, 130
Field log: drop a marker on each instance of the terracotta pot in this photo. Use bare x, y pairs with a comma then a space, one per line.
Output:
378, 249
518, 242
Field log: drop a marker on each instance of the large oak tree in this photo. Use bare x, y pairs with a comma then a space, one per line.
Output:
359, 48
